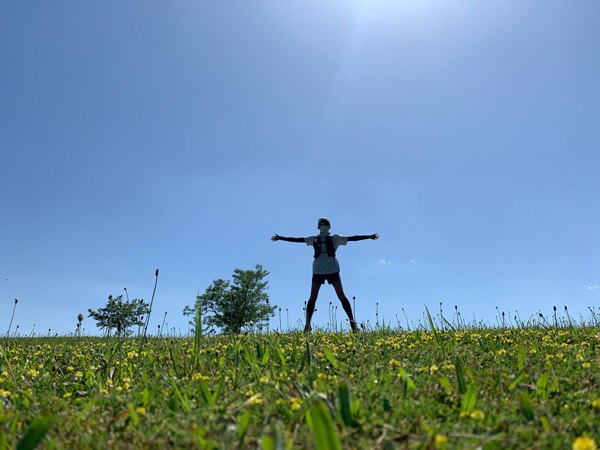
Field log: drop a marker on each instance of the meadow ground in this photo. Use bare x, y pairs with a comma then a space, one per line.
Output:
490, 388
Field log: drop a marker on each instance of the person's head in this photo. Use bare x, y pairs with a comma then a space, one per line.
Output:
324, 224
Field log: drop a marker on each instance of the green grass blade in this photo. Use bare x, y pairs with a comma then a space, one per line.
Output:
35, 433
542, 386
206, 394
469, 399
526, 406
521, 357
274, 440
517, 380
281, 357
243, 425
460, 378
345, 405
331, 358
218, 389
322, 424
198, 335
445, 382
265, 356
433, 330
3, 440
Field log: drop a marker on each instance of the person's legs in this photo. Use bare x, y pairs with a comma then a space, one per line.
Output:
310, 306
339, 290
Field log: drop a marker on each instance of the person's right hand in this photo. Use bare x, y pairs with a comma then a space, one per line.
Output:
275, 238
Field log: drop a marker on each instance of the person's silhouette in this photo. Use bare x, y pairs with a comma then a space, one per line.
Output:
325, 265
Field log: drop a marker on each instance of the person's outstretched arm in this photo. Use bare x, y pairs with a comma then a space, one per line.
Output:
287, 239
363, 237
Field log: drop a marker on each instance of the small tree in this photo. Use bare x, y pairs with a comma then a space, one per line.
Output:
120, 315
233, 306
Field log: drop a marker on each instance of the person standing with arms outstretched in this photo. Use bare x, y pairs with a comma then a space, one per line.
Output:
326, 266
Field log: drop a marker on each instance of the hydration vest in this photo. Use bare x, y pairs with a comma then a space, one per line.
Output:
328, 243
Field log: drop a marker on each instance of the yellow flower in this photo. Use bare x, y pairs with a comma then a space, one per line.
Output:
296, 403
67, 395
32, 373
584, 443
4, 393
433, 369
119, 388
351, 376
477, 415
440, 442
70, 369
596, 403
393, 362
586, 365
103, 391
140, 410
256, 400
501, 352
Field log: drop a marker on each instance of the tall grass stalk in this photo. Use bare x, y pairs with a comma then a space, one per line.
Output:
151, 303
11, 319
198, 336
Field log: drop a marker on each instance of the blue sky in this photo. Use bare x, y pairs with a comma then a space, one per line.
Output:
182, 135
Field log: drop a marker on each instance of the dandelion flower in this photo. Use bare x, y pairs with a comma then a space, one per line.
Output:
584, 443
256, 400
296, 403
477, 415
596, 403
440, 442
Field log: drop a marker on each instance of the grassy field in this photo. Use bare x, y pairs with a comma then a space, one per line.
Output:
489, 388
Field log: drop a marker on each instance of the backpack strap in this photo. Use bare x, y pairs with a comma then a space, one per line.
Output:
317, 246
328, 244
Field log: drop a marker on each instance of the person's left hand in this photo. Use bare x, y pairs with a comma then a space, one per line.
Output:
374, 236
